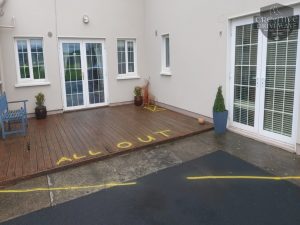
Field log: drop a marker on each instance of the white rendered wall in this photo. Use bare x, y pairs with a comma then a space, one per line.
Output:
199, 54
109, 20
198, 38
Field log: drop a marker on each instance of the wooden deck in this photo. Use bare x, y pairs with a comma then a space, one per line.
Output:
71, 139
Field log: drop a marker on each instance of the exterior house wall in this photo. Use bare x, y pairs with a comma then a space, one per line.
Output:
33, 18
109, 20
199, 40
199, 43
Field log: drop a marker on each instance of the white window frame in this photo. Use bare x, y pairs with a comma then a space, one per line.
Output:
164, 69
29, 81
128, 75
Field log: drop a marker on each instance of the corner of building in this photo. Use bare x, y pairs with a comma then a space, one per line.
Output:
298, 149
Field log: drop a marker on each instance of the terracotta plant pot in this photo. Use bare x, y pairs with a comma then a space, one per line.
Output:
41, 112
138, 100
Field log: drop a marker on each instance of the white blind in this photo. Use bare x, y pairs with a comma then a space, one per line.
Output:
280, 77
245, 74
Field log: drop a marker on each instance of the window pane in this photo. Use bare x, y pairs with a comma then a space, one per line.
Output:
130, 54
36, 47
245, 74
167, 43
42, 72
131, 67
280, 77
23, 59
121, 46
73, 74
121, 57
95, 72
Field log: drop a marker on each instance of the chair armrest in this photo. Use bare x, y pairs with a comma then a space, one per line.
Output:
18, 101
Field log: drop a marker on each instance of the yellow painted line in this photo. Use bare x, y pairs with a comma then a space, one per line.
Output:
243, 178
68, 188
154, 108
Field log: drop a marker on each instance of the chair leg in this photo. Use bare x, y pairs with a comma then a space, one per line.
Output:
3, 130
23, 126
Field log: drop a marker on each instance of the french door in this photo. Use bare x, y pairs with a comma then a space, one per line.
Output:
83, 73
263, 80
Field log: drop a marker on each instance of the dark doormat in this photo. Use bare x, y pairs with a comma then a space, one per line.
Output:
167, 197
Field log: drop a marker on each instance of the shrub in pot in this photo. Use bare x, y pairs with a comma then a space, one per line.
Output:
40, 109
138, 99
220, 114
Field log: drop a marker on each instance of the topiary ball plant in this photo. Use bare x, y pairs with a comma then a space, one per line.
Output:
219, 105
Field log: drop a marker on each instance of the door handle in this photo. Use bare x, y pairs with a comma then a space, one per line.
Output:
263, 82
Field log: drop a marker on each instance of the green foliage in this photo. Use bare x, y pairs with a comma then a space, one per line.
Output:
138, 91
40, 99
219, 105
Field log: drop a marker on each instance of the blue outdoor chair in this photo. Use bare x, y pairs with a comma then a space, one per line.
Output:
12, 116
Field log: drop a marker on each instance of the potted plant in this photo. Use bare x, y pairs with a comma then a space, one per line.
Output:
220, 114
138, 99
40, 109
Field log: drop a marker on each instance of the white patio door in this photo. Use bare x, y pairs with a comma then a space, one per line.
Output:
83, 73
246, 67
263, 80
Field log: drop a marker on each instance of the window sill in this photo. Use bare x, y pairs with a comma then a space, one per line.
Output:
32, 84
128, 77
166, 73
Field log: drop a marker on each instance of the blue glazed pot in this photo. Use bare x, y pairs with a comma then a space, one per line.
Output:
220, 121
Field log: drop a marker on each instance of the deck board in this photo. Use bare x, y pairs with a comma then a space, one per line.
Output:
75, 138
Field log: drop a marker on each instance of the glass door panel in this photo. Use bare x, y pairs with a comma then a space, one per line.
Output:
73, 74
245, 72
280, 76
94, 58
